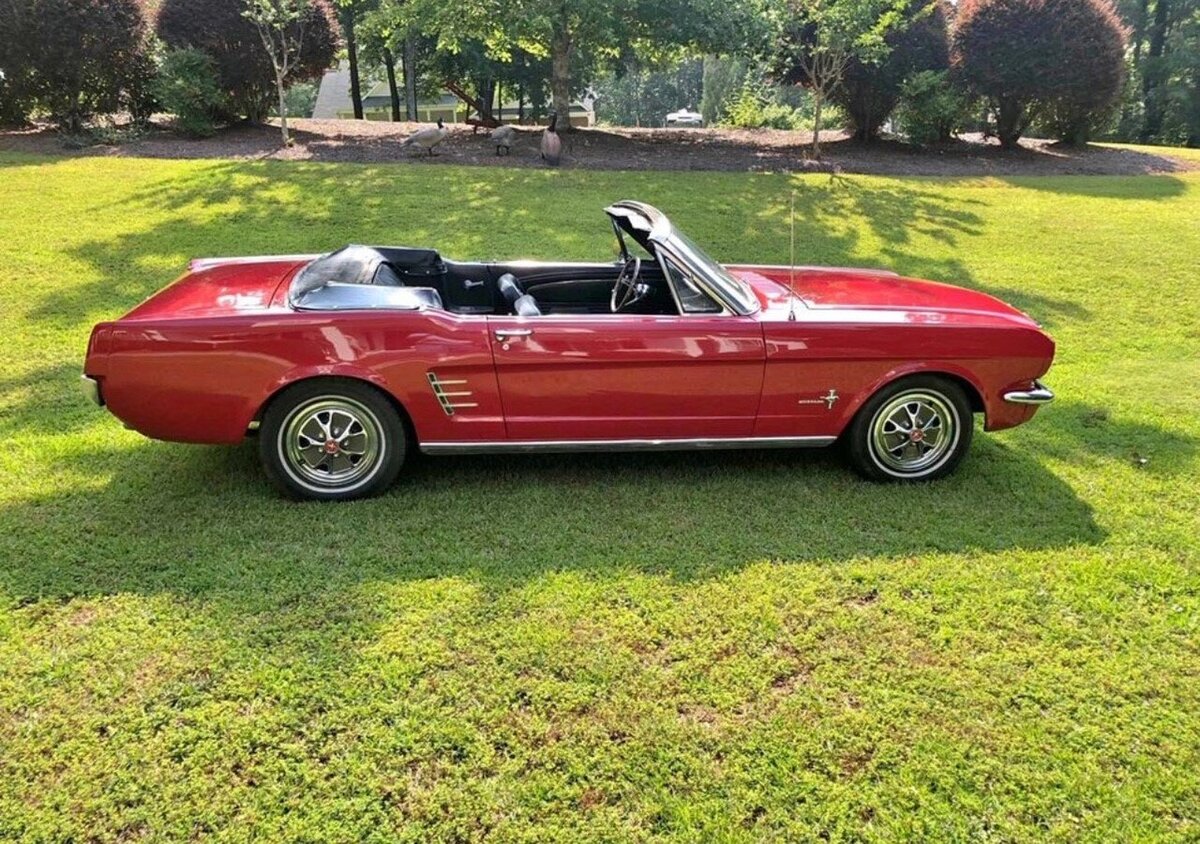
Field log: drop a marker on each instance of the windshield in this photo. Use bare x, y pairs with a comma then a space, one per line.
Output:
714, 274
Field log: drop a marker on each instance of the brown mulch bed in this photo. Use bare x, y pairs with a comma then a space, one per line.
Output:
627, 149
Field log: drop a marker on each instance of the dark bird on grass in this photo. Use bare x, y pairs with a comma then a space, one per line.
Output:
551, 142
427, 139
503, 137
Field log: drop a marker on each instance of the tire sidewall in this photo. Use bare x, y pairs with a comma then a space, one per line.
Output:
393, 442
859, 441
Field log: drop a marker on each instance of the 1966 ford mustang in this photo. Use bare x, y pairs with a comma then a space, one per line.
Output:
344, 362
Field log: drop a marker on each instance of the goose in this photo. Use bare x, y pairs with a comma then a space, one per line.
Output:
502, 137
427, 139
551, 142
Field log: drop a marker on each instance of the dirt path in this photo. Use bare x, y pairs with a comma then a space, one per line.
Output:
629, 149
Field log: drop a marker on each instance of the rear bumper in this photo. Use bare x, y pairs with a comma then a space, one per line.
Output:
91, 388
1040, 394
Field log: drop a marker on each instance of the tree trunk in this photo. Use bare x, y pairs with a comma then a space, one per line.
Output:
352, 52
410, 77
1152, 72
487, 98
560, 74
1009, 115
1139, 30
818, 102
389, 63
283, 127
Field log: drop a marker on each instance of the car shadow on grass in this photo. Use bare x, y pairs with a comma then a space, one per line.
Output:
202, 521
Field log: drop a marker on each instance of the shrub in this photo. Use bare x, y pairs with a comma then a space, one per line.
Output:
187, 87
137, 95
869, 91
242, 66
752, 109
16, 95
931, 109
1064, 56
72, 58
301, 99
15, 100
722, 81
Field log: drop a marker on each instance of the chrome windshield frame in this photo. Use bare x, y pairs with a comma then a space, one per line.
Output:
734, 295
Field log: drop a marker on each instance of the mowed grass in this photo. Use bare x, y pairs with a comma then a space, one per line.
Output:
729, 647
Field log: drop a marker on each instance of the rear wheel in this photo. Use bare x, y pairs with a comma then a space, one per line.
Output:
331, 440
918, 428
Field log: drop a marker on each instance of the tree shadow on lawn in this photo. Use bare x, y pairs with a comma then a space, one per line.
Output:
201, 521
243, 208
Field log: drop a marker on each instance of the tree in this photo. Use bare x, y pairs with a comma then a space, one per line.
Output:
644, 96
381, 34
870, 89
1064, 57
349, 13
581, 36
73, 58
723, 79
821, 38
244, 68
1165, 59
16, 71
280, 26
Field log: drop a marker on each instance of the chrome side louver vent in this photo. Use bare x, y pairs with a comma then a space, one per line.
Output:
450, 399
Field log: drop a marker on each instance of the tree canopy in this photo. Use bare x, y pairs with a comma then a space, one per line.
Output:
1065, 57
244, 68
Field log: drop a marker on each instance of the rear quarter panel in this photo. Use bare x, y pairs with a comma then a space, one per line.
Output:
204, 380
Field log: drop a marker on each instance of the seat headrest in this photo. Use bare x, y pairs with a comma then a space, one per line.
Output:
527, 306
509, 288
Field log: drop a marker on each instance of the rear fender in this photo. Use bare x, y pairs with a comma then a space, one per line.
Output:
304, 373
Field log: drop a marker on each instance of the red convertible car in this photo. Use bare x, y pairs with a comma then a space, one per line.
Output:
342, 363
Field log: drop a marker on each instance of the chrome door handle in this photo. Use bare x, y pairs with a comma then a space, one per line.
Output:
503, 334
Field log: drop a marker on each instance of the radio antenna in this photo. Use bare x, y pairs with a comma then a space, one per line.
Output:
792, 260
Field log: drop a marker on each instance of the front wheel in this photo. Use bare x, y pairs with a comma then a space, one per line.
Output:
918, 428
331, 440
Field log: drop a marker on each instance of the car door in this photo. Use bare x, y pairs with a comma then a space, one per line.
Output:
626, 376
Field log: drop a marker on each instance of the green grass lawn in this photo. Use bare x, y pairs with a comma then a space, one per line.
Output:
702, 647
1185, 154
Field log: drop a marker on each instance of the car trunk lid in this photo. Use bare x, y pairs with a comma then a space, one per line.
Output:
214, 286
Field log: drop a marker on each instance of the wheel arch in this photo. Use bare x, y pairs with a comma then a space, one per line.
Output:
969, 385
410, 430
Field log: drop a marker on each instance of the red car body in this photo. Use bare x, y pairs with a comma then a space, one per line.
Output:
199, 361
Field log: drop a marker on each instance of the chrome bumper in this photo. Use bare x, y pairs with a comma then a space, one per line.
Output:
91, 389
1040, 394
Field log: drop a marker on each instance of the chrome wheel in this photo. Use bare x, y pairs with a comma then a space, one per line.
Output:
914, 433
331, 443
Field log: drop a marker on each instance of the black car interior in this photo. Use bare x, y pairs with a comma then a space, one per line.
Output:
520, 288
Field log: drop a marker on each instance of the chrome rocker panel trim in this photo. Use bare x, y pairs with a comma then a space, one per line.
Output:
570, 446
91, 389
1040, 394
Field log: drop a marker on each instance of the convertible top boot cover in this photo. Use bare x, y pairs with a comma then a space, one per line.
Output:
416, 266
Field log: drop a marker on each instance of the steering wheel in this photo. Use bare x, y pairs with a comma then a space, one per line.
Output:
625, 290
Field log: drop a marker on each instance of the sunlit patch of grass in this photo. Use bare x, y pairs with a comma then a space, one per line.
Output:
1181, 153
715, 646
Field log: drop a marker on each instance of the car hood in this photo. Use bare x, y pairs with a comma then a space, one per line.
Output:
834, 288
